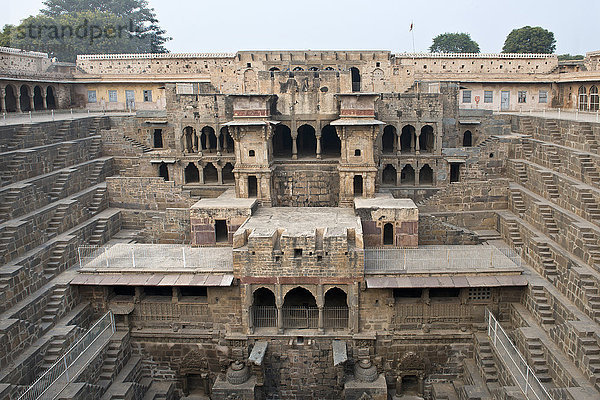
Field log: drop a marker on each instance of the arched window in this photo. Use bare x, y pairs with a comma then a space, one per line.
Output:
208, 139
389, 175
228, 176
467, 139
50, 98
594, 99
388, 140
300, 309
190, 140
225, 140
583, 100
163, 171
306, 141
282, 141
426, 175
355, 73
273, 69
38, 100
329, 69
407, 139
296, 69
358, 185
335, 309
313, 69
192, 175
407, 175
210, 173
264, 311
25, 98
388, 234
426, 139
10, 99
331, 146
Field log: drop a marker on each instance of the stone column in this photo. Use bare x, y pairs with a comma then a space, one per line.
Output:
417, 136
319, 147
279, 305
294, 148
2, 101
18, 97
219, 174
247, 308
413, 139
44, 102
200, 173
417, 172
31, 102
320, 305
225, 148
218, 142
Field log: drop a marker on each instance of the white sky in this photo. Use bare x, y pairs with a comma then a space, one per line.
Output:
230, 25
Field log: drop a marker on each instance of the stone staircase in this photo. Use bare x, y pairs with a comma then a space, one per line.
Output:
542, 306
137, 145
553, 157
521, 171
61, 159
61, 132
485, 359
589, 169
549, 185
59, 185
95, 147
548, 218
53, 306
19, 138
94, 177
537, 359
548, 263
53, 266
8, 176
527, 148
592, 295
553, 130
5, 207
98, 234
588, 133
517, 200
514, 234
98, 200
56, 222
587, 198
527, 126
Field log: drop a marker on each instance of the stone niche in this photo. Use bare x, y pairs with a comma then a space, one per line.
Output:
214, 221
357, 104
387, 221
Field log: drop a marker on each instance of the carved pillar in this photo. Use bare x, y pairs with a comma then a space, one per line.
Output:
2, 101
279, 305
218, 141
18, 97
247, 308
200, 173
44, 102
320, 304
294, 147
319, 147
31, 102
413, 138
417, 173
220, 174
417, 136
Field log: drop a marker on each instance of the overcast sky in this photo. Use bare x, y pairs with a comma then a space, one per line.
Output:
230, 25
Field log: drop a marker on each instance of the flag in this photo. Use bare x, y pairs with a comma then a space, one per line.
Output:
411, 27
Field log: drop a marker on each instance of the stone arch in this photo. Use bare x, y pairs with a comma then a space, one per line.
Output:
388, 234
378, 80
426, 139
191, 173
313, 69
208, 139
388, 139
594, 99
306, 141
250, 81
467, 139
274, 69
282, 141
50, 98
407, 175
298, 69
336, 297
25, 101
226, 142
407, 139
263, 296
299, 297
189, 140
331, 145
38, 99
426, 175
389, 175
412, 361
209, 172
10, 98
227, 174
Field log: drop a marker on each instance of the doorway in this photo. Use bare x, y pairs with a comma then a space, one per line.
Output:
504, 100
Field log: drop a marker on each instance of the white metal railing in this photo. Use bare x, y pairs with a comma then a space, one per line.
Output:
529, 384
155, 257
474, 55
132, 56
58, 373
435, 258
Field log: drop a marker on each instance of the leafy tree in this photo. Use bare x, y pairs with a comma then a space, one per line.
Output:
66, 28
5, 35
530, 39
563, 57
454, 43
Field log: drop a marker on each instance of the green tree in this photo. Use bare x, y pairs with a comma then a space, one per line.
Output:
66, 28
454, 43
564, 57
530, 39
5, 35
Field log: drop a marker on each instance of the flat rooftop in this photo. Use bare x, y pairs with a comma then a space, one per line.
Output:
303, 221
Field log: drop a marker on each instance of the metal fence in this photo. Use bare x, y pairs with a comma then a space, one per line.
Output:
529, 384
300, 317
335, 317
168, 311
436, 258
264, 316
61, 372
158, 257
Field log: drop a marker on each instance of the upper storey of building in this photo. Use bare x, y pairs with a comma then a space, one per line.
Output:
16, 63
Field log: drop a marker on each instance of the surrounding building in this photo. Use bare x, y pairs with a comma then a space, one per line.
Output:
302, 224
